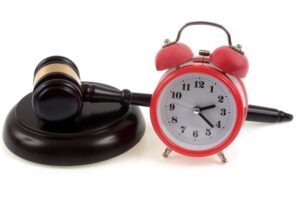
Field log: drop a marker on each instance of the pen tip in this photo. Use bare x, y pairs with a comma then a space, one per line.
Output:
286, 117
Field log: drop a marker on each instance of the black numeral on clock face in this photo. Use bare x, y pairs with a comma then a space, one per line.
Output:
172, 107
195, 134
220, 99
174, 120
186, 87
208, 132
218, 124
212, 89
176, 95
199, 84
182, 129
223, 112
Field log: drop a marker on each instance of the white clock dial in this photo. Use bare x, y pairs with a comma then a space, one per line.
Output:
196, 111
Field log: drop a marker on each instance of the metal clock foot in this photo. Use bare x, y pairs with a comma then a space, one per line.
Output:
222, 157
166, 153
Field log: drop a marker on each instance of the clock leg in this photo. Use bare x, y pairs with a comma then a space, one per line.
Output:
222, 157
167, 152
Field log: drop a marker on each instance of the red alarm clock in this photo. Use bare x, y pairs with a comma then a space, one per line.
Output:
200, 104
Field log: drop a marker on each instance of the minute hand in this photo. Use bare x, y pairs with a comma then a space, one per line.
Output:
206, 120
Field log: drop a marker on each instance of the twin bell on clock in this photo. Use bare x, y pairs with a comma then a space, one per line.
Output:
197, 108
229, 59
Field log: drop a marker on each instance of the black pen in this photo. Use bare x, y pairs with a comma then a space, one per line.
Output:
268, 115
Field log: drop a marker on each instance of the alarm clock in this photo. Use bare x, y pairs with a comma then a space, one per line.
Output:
200, 103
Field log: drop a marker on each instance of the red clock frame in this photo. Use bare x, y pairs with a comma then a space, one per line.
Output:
198, 68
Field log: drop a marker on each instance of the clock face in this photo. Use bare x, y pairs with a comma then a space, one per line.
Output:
196, 111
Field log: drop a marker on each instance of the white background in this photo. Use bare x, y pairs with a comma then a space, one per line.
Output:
115, 42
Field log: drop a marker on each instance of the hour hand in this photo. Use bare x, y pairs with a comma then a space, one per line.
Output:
207, 107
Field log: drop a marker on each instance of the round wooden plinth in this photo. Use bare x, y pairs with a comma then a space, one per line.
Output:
102, 131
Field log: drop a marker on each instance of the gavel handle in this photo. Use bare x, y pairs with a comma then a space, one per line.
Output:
97, 92
141, 99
